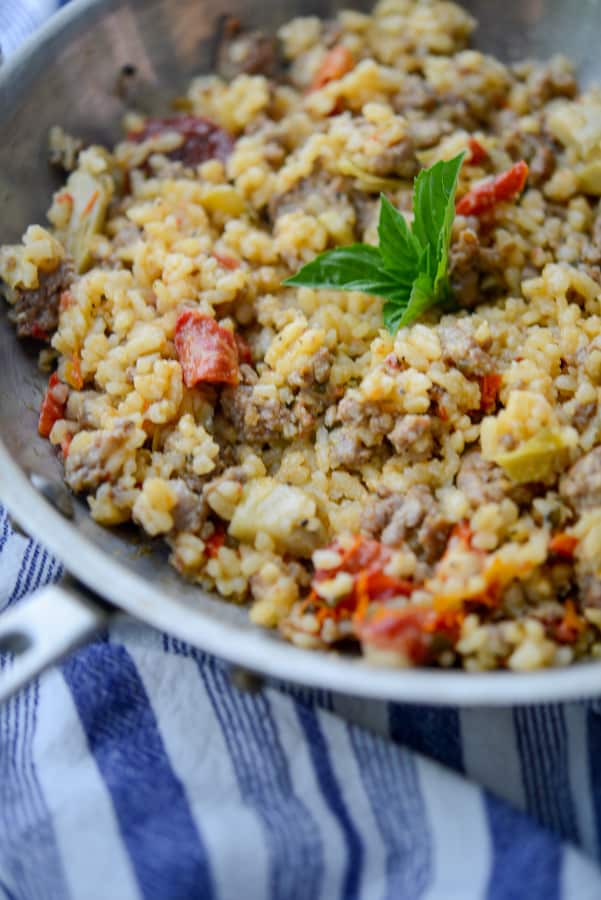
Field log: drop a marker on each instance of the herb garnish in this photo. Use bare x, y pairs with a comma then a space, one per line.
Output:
409, 267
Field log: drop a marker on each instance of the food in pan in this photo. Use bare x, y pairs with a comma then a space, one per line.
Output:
331, 327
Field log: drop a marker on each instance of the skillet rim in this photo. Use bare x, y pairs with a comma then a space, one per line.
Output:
253, 647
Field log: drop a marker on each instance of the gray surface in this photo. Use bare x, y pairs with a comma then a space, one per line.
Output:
67, 75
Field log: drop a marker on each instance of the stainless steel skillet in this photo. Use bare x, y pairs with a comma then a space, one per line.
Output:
69, 75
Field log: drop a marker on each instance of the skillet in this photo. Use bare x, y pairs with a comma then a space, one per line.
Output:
69, 74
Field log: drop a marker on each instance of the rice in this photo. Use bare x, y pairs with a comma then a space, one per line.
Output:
433, 496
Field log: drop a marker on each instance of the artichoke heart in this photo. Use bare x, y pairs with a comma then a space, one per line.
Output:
91, 195
367, 181
536, 459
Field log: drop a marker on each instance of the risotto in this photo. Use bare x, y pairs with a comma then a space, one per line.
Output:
432, 496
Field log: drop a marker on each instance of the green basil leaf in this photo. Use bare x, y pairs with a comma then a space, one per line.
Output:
354, 268
409, 268
434, 204
399, 248
392, 314
422, 298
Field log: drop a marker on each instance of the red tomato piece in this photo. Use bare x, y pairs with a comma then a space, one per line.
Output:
485, 196
53, 405
336, 63
207, 352
202, 139
489, 391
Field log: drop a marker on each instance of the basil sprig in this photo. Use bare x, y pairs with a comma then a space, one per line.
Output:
409, 267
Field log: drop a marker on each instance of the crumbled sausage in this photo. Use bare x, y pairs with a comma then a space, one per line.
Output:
191, 510
257, 421
583, 414
475, 271
538, 150
483, 482
317, 370
366, 208
351, 411
413, 518
378, 513
255, 53
35, 311
348, 449
315, 194
398, 160
415, 93
413, 435
240, 52
461, 349
101, 462
260, 420
580, 487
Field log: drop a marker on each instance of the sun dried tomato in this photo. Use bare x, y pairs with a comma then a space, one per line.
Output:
485, 196
564, 545
206, 350
202, 139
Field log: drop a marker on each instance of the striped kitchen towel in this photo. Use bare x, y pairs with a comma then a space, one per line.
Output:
136, 770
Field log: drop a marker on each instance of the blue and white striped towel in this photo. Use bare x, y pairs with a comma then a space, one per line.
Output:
137, 771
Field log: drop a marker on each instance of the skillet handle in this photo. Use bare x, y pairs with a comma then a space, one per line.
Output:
43, 629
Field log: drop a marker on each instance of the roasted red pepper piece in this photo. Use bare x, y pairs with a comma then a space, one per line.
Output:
365, 560
244, 351
228, 262
65, 444
213, 543
489, 391
571, 624
53, 405
485, 196
564, 545
336, 63
202, 139
206, 351
410, 630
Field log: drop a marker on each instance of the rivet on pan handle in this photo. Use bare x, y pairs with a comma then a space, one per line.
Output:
43, 629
